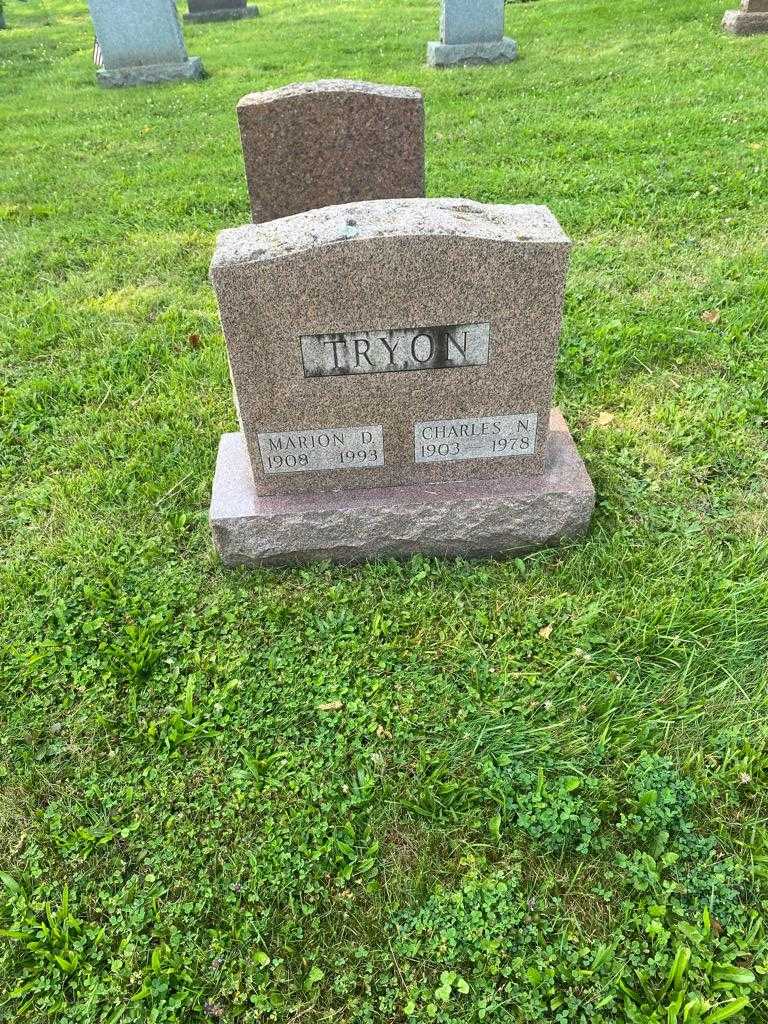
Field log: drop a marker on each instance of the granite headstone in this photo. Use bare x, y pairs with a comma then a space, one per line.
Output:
219, 10
750, 19
393, 365
471, 32
139, 42
333, 141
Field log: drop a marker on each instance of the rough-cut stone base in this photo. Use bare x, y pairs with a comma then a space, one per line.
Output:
147, 74
449, 55
745, 23
471, 518
228, 14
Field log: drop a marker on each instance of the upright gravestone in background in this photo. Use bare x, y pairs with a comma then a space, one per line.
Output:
751, 18
220, 10
140, 41
471, 32
328, 142
393, 365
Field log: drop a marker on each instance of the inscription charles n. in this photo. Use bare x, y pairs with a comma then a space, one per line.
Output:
417, 348
484, 437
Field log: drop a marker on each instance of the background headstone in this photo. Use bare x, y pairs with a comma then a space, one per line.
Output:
471, 32
140, 42
750, 19
219, 10
328, 142
393, 364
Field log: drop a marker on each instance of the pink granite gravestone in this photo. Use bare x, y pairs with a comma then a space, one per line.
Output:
323, 143
393, 363
750, 19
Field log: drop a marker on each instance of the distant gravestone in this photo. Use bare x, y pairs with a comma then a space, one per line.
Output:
750, 19
328, 142
393, 366
139, 42
220, 10
471, 32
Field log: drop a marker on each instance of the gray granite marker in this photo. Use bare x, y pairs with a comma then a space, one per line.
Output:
750, 19
471, 32
140, 42
220, 10
393, 365
332, 141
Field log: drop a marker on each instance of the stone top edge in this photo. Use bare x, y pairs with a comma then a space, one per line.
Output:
329, 85
382, 219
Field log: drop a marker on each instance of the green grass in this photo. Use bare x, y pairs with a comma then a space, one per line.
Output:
531, 790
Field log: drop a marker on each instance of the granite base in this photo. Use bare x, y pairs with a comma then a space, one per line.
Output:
467, 519
227, 14
745, 23
148, 74
448, 55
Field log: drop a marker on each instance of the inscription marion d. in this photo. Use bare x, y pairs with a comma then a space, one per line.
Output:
415, 348
301, 451
487, 437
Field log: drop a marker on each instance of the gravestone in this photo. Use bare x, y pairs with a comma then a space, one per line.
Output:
750, 19
220, 10
139, 42
471, 32
328, 142
393, 366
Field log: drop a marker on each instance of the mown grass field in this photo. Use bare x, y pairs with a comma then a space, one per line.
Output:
515, 791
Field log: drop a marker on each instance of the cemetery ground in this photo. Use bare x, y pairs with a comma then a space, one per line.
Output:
522, 790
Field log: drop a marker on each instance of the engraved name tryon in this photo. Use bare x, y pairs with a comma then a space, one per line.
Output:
416, 348
301, 451
486, 437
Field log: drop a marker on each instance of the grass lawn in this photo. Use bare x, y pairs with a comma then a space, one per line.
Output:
525, 790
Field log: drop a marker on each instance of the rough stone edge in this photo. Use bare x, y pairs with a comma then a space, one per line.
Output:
226, 14
522, 224
745, 23
149, 74
487, 517
330, 85
449, 55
